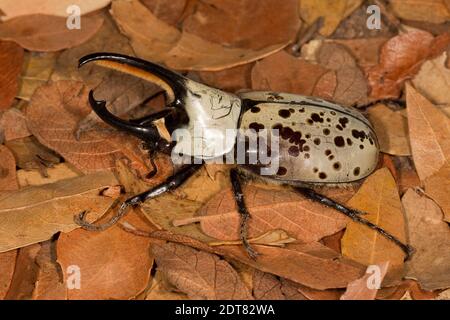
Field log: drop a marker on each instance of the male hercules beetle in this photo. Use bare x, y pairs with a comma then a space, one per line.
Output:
319, 142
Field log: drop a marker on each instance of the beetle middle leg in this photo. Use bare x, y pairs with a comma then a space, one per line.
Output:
171, 183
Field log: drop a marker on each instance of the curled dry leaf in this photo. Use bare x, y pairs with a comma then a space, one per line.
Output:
284, 73
200, 275
378, 196
13, 124
429, 132
25, 273
437, 187
37, 68
8, 179
351, 88
154, 40
333, 12
391, 128
366, 288
53, 115
36, 213
49, 283
400, 59
15, 8
430, 236
270, 209
122, 262
7, 266
243, 23
433, 11
48, 33
433, 80
11, 56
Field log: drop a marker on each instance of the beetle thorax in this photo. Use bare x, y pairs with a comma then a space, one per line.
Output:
213, 120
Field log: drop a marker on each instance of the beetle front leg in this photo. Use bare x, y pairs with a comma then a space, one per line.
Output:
355, 215
171, 183
243, 212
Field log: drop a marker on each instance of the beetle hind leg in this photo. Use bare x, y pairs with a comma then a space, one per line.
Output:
355, 215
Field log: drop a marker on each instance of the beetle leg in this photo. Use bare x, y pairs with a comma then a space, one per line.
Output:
171, 183
243, 212
355, 216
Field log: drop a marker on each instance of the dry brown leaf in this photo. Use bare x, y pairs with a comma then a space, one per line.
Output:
7, 265
200, 275
171, 12
364, 288
437, 187
154, 40
270, 209
391, 128
400, 59
8, 178
56, 173
351, 86
429, 132
231, 79
244, 23
333, 11
16, 8
160, 289
430, 236
122, 262
36, 213
25, 274
37, 68
434, 11
276, 238
290, 290
433, 80
407, 286
48, 33
312, 264
313, 294
266, 286
13, 124
365, 50
53, 115
11, 56
284, 73
378, 196
49, 284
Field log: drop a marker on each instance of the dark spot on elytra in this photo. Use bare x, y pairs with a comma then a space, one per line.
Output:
308, 136
255, 109
291, 110
331, 157
337, 166
306, 155
316, 118
281, 171
284, 113
328, 120
322, 175
339, 141
301, 110
326, 131
294, 151
333, 113
309, 121
286, 133
316, 141
349, 141
315, 170
356, 171
327, 152
338, 126
306, 148
343, 121
256, 126
371, 141
277, 126
359, 134
361, 146
296, 138
321, 113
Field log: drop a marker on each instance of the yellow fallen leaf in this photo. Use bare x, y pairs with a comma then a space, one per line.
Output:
431, 11
276, 238
378, 196
429, 133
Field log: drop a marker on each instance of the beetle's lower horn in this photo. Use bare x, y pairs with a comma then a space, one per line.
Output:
142, 132
171, 82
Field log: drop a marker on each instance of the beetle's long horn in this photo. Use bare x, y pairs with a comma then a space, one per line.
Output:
170, 81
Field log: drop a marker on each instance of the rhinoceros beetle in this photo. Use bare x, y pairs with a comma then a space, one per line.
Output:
319, 142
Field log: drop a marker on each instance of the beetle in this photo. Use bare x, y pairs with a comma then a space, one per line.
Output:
319, 142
